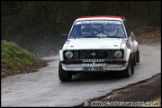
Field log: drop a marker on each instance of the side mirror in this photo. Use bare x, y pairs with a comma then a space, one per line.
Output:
132, 36
64, 36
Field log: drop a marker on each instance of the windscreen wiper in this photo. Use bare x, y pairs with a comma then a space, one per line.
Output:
89, 37
114, 37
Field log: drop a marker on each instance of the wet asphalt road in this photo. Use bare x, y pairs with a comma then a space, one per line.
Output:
43, 88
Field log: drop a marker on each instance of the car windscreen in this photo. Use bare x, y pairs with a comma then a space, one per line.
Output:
97, 28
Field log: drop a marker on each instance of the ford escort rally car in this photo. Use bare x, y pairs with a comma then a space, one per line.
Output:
98, 43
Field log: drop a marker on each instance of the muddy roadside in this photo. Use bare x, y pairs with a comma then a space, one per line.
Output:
143, 93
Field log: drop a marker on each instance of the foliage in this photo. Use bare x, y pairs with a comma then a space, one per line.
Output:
33, 20
15, 58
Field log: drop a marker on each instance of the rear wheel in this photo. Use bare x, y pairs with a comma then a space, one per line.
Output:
137, 56
134, 60
64, 76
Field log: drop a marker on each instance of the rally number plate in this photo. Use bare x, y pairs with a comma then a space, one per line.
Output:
93, 68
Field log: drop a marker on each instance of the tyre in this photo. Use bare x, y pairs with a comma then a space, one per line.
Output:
134, 60
129, 70
64, 76
137, 56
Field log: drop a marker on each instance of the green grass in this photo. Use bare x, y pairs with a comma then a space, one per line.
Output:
14, 58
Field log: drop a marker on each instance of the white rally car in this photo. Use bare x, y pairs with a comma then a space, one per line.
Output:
98, 43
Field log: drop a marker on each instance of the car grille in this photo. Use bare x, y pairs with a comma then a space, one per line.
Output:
94, 54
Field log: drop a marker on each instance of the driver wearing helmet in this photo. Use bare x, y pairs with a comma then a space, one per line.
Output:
86, 30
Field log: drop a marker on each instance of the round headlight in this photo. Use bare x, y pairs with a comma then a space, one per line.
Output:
118, 54
69, 54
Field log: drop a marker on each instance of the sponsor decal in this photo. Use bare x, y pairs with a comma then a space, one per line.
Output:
126, 41
67, 42
97, 22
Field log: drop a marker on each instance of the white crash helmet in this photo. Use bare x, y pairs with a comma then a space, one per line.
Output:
112, 29
86, 29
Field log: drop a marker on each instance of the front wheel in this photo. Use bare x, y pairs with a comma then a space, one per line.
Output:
129, 70
64, 76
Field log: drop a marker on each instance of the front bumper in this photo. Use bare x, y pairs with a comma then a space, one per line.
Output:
108, 66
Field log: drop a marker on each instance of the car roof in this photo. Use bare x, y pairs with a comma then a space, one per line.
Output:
102, 16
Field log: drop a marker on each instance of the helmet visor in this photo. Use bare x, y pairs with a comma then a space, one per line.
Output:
110, 29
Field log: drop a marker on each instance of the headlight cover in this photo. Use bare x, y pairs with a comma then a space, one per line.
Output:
118, 54
68, 54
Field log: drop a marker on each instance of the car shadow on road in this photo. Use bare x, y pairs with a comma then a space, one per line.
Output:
97, 76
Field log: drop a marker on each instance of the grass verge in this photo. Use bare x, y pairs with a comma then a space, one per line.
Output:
16, 60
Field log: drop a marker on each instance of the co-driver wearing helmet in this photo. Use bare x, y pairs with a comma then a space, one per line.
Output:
115, 30
86, 30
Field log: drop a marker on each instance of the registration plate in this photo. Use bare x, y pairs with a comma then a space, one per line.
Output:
93, 68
